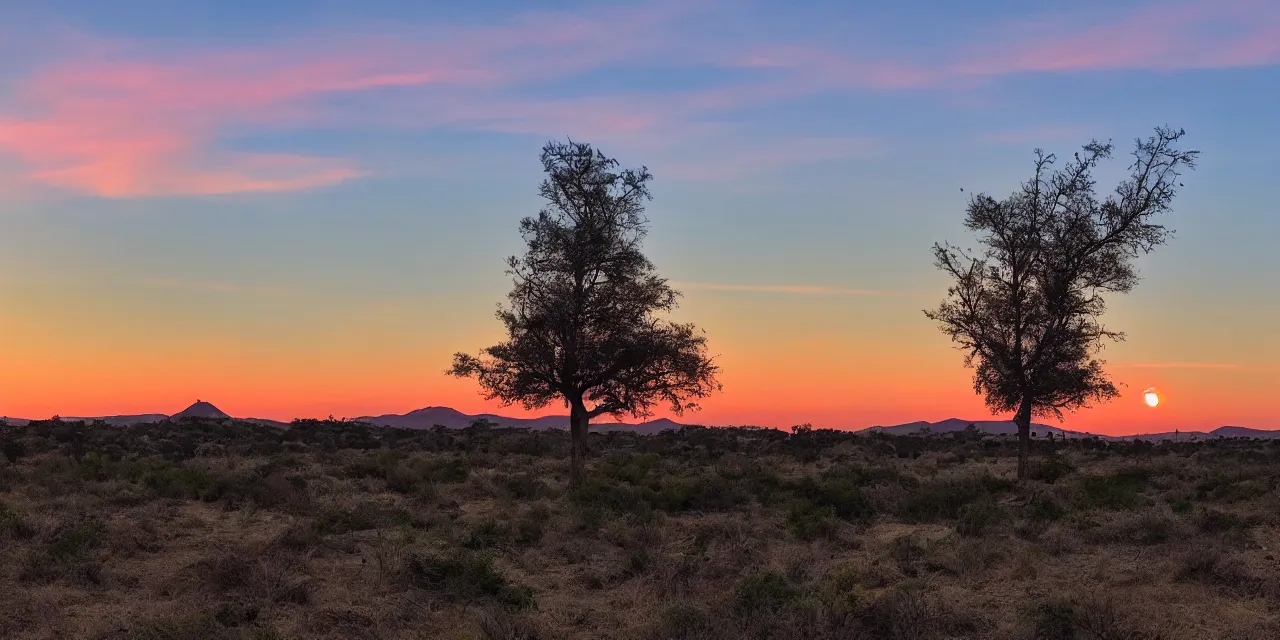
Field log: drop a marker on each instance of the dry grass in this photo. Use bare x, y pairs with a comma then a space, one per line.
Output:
333, 530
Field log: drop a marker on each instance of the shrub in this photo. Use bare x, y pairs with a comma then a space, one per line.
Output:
338, 520
73, 541
466, 576
179, 482
639, 562
12, 523
485, 534
1093, 619
596, 494
531, 526
1053, 620
943, 499
13, 449
497, 624
201, 625
840, 493
1214, 521
1115, 491
684, 621
1051, 468
523, 486
840, 590
764, 591
64, 555
1209, 566
978, 517
908, 613
907, 550
1044, 508
809, 523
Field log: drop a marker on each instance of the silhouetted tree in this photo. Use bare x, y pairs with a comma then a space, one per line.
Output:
583, 318
1026, 311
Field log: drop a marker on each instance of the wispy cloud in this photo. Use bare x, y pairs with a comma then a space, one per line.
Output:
130, 119
786, 289
125, 122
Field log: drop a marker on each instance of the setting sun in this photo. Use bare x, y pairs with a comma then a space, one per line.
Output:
1151, 397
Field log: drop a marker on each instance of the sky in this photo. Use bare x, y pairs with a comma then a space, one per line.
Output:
302, 208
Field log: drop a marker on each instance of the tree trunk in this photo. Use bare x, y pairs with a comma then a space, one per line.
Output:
578, 420
1023, 420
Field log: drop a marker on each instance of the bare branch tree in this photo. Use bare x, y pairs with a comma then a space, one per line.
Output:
1027, 310
584, 317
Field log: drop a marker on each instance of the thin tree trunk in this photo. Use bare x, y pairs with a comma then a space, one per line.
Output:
578, 421
1023, 420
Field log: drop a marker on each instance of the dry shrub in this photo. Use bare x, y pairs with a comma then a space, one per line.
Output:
1094, 618
466, 577
1210, 566
264, 576
500, 624
908, 612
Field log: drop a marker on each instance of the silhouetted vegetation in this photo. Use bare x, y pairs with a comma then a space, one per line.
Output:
1026, 310
331, 529
583, 320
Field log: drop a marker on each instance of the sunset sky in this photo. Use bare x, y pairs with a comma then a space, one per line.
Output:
302, 208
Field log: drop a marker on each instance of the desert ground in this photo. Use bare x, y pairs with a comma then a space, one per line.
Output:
225, 529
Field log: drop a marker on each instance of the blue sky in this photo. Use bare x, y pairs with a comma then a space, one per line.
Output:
330, 187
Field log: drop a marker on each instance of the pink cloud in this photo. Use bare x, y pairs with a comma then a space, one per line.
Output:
1203, 34
1166, 36
144, 128
117, 120
120, 124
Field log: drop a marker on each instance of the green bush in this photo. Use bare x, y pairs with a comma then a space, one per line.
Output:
1093, 619
65, 555
486, 533
337, 520
1051, 468
764, 591
1045, 508
185, 483
13, 449
73, 541
1116, 491
12, 523
1214, 521
979, 517
639, 561
944, 498
522, 486
612, 497
466, 576
531, 526
808, 522
839, 492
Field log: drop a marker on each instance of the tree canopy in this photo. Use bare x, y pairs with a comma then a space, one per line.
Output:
1027, 309
585, 318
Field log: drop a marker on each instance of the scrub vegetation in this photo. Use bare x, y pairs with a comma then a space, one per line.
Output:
229, 529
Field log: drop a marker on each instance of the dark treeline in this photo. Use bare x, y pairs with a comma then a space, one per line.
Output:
192, 438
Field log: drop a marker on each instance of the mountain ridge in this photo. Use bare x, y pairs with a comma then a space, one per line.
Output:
1007, 427
448, 417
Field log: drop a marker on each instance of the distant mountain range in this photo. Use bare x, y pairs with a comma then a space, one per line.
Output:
453, 419
430, 417
1042, 430
200, 409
